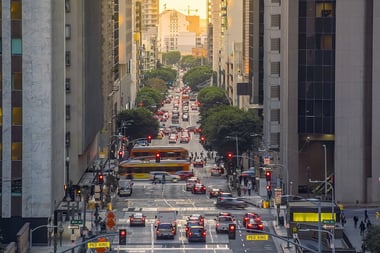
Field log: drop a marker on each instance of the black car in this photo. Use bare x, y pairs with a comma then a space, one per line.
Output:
196, 234
229, 202
165, 231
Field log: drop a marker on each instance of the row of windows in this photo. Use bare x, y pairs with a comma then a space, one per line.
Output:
316, 125
316, 90
16, 151
16, 116
309, 8
308, 73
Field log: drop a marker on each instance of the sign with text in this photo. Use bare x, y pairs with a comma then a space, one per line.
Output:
95, 245
257, 237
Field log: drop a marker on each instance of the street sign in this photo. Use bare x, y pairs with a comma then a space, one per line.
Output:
257, 237
95, 245
329, 222
76, 222
277, 196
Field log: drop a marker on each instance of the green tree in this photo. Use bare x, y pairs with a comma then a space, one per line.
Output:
198, 76
372, 238
150, 98
210, 97
171, 58
157, 84
166, 74
189, 61
222, 124
141, 123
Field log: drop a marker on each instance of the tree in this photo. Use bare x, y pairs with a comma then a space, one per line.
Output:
372, 238
150, 98
210, 97
141, 122
198, 77
171, 58
189, 61
222, 121
157, 84
166, 74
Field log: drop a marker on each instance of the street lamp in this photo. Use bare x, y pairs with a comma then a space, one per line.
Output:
324, 148
320, 231
287, 173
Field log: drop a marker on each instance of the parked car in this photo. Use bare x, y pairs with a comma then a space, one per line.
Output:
137, 219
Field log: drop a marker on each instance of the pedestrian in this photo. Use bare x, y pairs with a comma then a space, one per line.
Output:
362, 228
249, 188
356, 219
369, 224
365, 215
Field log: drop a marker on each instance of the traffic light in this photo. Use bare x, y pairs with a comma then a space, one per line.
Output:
230, 156
268, 176
158, 157
203, 139
232, 231
100, 179
122, 237
120, 154
149, 138
269, 191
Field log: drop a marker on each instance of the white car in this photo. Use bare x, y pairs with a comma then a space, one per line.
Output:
172, 138
159, 176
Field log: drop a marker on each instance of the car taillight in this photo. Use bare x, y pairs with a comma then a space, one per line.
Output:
260, 226
186, 229
190, 234
217, 224
245, 218
204, 234
249, 226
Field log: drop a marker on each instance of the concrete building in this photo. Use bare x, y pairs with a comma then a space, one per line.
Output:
329, 108
58, 69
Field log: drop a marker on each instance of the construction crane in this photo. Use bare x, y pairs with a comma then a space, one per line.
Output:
189, 10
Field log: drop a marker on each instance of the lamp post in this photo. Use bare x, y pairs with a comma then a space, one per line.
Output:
320, 231
332, 194
325, 153
287, 173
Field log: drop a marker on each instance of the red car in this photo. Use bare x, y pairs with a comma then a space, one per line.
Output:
183, 174
214, 192
248, 216
198, 163
199, 188
254, 224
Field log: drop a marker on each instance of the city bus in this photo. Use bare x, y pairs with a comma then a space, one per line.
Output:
166, 152
140, 169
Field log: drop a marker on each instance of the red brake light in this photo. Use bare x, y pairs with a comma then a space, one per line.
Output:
260, 226
190, 234
204, 234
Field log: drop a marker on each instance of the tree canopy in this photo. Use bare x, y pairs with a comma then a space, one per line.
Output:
149, 97
198, 76
171, 58
138, 123
166, 74
372, 238
210, 97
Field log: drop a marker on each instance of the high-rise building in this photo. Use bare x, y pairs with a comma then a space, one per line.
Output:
59, 63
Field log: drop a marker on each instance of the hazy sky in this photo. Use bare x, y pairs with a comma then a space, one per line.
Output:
182, 6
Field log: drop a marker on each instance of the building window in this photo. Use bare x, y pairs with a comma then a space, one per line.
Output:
68, 32
276, 20
324, 10
16, 187
326, 42
16, 151
67, 5
275, 115
16, 46
275, 44
276, 1
68, 85
68, 59
16, 116
16, 10
275, 91
275, 68
68, 113
17, 81
68, 139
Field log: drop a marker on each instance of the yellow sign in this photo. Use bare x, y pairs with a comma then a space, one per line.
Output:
94, 245
257, 237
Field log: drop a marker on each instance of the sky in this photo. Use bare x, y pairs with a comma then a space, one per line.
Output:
182, 6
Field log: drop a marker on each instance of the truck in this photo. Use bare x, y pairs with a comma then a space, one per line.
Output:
167, 216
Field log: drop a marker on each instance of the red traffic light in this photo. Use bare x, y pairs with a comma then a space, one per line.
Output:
268, 175
269, 188
158, 157
202, 138
100, 179
230, 155
149, 138
122, 232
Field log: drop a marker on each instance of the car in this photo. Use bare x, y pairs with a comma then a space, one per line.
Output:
189, 224
222, 223
165, 231
160, 136
214, 192
198, 188
248, 174
197, 217
254, 224
248, 216
172, 138
184, 174
197, 234
198, 163
216, 171
163, 176
222, 195
229, 202
185, 117
191, 182
184, 139
124, 187
137, 219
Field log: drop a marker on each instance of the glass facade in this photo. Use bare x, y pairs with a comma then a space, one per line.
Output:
316, 75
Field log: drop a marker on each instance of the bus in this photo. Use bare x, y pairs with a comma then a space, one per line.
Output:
140, 169
166, 152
